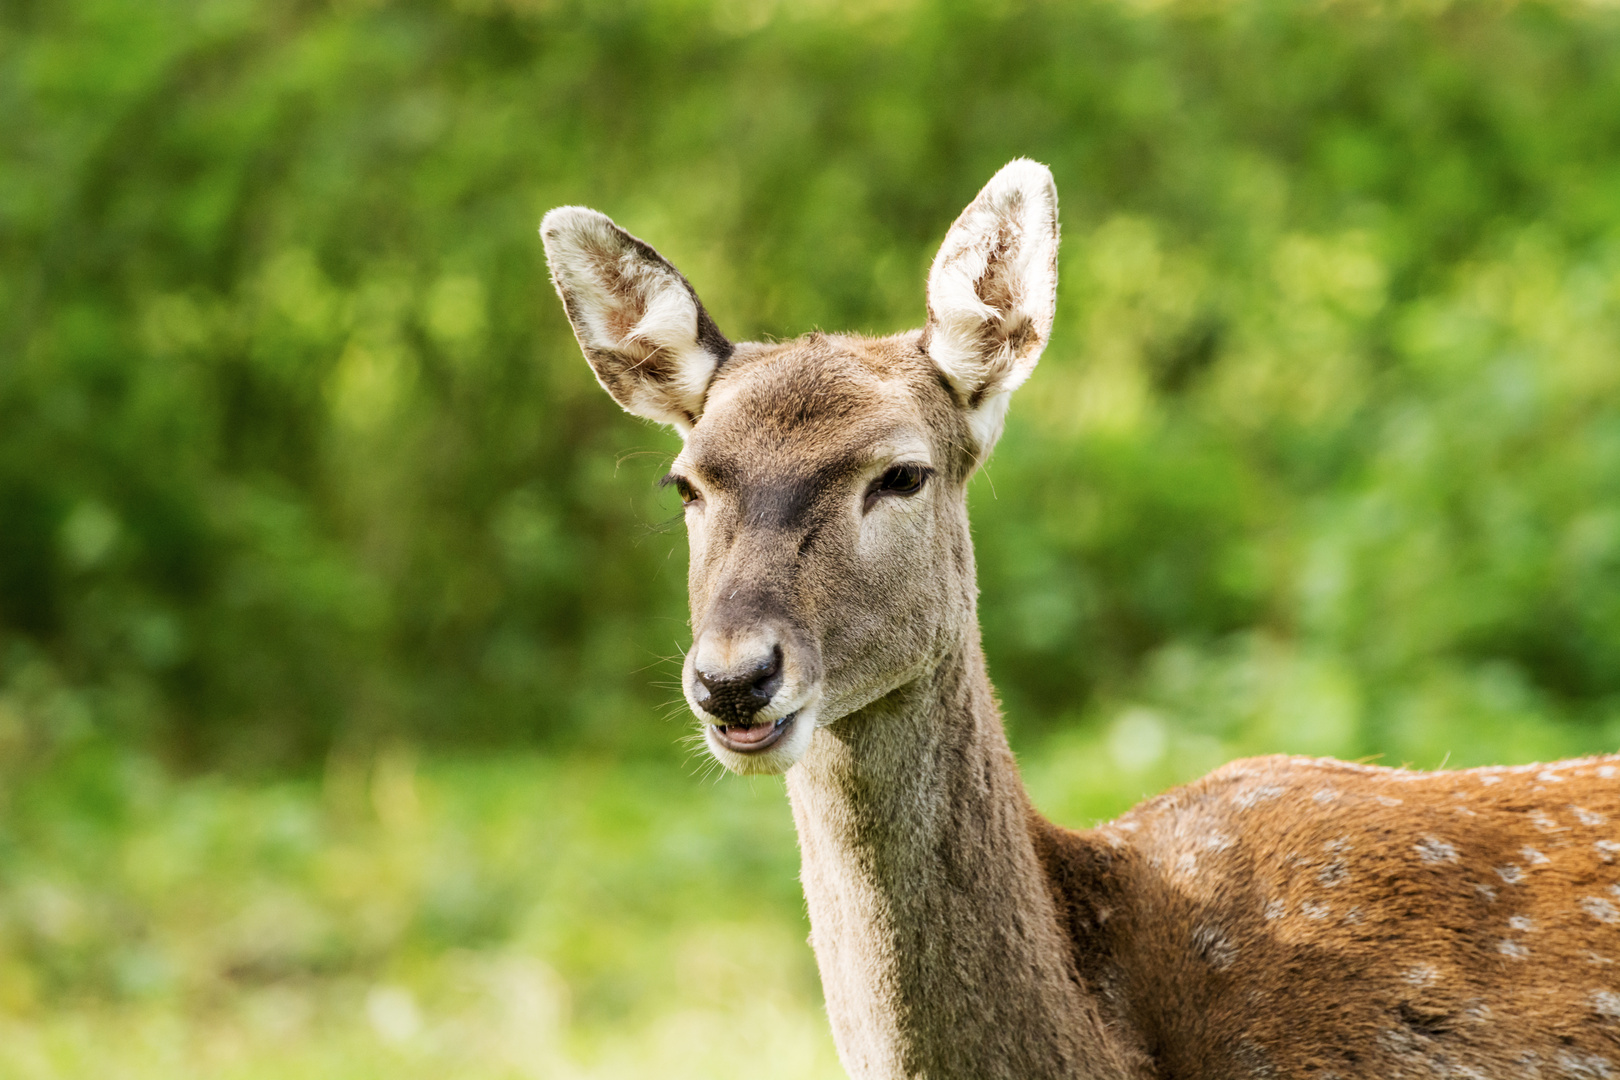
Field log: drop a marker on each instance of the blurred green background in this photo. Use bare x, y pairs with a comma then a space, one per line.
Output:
338, 727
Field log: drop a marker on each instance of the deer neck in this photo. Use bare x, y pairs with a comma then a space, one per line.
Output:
940, 951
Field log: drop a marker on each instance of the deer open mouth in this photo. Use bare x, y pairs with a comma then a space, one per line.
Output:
754, 738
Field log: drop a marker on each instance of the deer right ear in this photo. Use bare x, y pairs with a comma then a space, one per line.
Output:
639, 322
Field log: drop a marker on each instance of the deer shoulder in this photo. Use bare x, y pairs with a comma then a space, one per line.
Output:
1295, 917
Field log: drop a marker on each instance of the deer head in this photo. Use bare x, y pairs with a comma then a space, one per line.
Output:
824, 479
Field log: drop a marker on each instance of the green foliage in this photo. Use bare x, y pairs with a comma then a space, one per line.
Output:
296, 449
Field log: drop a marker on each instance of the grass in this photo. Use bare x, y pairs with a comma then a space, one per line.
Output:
490, 917
512, 917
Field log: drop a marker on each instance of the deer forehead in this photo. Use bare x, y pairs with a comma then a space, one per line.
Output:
817, 412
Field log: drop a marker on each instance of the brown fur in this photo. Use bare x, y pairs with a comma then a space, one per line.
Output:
1295, 917
1282, 917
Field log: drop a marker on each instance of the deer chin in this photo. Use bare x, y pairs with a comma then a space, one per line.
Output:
769, 747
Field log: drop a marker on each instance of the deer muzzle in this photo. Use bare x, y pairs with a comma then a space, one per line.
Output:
753, 689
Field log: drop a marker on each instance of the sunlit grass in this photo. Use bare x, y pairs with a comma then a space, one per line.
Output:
494, 918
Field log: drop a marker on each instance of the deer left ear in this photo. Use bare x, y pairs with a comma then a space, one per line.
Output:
992, 292
640, 324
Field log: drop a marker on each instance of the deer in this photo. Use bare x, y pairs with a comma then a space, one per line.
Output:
1283, 917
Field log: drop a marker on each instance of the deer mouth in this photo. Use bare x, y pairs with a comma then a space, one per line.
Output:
752, 738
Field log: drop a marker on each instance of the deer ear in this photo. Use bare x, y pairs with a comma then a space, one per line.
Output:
641, 326
992, 291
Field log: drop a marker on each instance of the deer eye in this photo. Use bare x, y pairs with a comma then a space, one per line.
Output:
901, 480
683, 487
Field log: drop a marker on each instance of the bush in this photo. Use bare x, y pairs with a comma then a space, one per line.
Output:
295, 446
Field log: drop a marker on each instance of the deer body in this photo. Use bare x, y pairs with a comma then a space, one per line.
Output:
1279, 918
1295, 917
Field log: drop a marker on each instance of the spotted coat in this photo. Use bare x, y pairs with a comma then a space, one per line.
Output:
1296, 917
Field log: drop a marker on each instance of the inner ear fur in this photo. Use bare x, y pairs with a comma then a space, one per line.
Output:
638, 320
992, 292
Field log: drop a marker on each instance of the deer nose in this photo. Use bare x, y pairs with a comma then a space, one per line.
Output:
734, 697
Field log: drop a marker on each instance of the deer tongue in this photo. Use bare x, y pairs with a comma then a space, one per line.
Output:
749, 735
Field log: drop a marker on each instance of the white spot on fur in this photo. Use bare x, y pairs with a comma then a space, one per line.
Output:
1607, 849
1584, 1066
1353, 915
1550, 777
1606, 1003
1251, 1056
1588, 817
1187, 864
1218, 842
1510, 874
1600, 909
1533, 857
1485, 890
1214, 946
1334, 873
1276, 909
1512, 948
1251, 797
1400, 1041
1541, 820
1606, 771
1326, 795
1432, 849
1420, 975
1313, 910
1597, 958
1385, 800
1477, 1011
1522, 923
1486, 778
